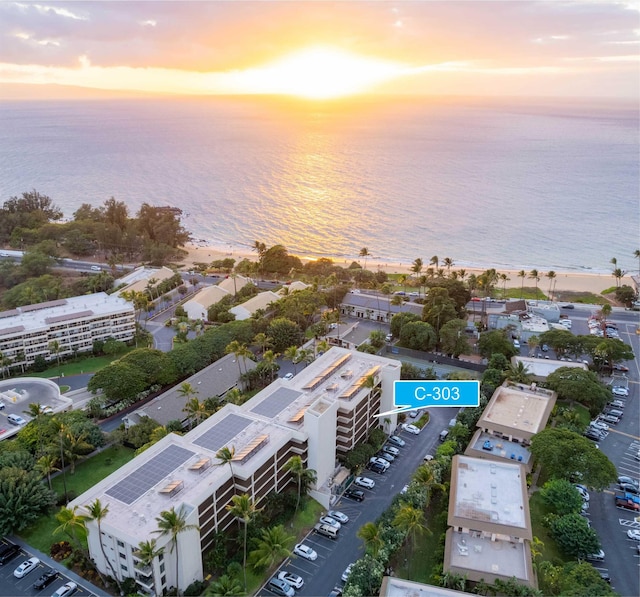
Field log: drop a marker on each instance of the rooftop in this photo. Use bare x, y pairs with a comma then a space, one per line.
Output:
517, 407
398, 587
380, 303
542, 368
488, 495
139, 277
41, 315
485, 445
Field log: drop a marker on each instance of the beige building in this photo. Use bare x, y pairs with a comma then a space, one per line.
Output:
197, 307
490, 523
143, 277
515, 413
398, 587
323, 410
540, 369
234, 283
260, 301
71, 324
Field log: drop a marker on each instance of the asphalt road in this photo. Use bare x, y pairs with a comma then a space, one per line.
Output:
622, 560
323, 574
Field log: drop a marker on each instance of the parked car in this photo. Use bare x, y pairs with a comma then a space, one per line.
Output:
380, 461
595, 557
594, 434
621, 368
16, 420
404, 489
365, 482
339, 516
280, 587
584, 493
347, 571
568, 306
600, 425
26, 567
9, 552
332, 522
396, 441
391, 450
293, 579
374, 467
304, 551
2, 405
46, 579
389, 337
410, 428
629, 488
385, 456
634, 534
619, 391
354, 494
545, 348
629, 480
66, 589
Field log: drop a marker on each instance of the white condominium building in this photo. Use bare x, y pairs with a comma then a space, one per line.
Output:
74, 323
324, 410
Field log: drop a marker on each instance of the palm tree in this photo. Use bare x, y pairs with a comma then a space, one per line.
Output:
225, 456
46, 465
410, 520
462, 273
171, 524
416, 268
272, 547
636, 254
269, 359
243, 508
434, 261
239, 350
618, 274
304, 476
147, 552
73, 525
292, 354
4, 364
605, 311
535, 275
370, 534
97, 512
552, 278
186, 390
262, 340
522, 274
225, 586
504, 278
519, 373
402, 278
448, 263
34, 410
196, 411
322, 346
364, 252
234, 396
533, 343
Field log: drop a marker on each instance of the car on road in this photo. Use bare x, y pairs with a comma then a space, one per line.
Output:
339, 516
46, 579
629, 480
2, 405
16, 420
26, 567
629, 488
569, 306
394, 440
288, 376
280, 587
347, 572
410, 428
9, 552
380, 461
66, 589
619, 391
365, 482
354, 494
304, 551
545, 348
621, 368
293, 579
332, 522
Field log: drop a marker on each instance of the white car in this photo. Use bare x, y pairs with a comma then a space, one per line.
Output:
597, 424
365, 482
584, 494
339, 516
288, 376
410, 428
347, 571
96, 268
634, 534
26, 567
16, 420
293, 579
396, 441
332, 522
619, 391
304, 551
404, 489
66, 590
381, 461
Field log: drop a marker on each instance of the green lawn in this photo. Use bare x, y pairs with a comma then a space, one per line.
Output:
528, 293
583, 412
88, 473
550, 551
82, 365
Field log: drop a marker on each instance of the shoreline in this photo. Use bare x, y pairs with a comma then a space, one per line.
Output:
566, 280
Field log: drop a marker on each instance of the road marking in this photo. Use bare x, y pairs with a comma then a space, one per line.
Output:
634, 437
625, 522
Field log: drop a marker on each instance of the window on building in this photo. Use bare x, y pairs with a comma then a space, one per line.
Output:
124, 568
120, 544
163, 581
161, 568
122, 556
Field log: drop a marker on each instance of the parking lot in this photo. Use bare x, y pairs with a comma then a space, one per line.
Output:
10, 586
323, 574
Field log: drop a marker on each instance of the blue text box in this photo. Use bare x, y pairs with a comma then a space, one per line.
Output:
410, 394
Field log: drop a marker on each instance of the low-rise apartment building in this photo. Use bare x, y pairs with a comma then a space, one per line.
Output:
490, 532
64, 327
322, 411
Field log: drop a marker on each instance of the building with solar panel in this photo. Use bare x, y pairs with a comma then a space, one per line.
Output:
74, 323
324, 411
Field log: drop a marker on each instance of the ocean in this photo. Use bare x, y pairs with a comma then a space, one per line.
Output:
505, 184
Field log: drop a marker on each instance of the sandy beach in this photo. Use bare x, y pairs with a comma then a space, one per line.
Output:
565, 281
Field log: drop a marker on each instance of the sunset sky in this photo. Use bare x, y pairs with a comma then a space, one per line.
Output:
583, 48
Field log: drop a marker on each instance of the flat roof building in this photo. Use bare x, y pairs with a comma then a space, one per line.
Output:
399, 587
489, 516
74, 323
540, 369
326, 408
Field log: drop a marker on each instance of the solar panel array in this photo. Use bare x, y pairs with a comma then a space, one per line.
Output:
222, 432
276, 402
136, 484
